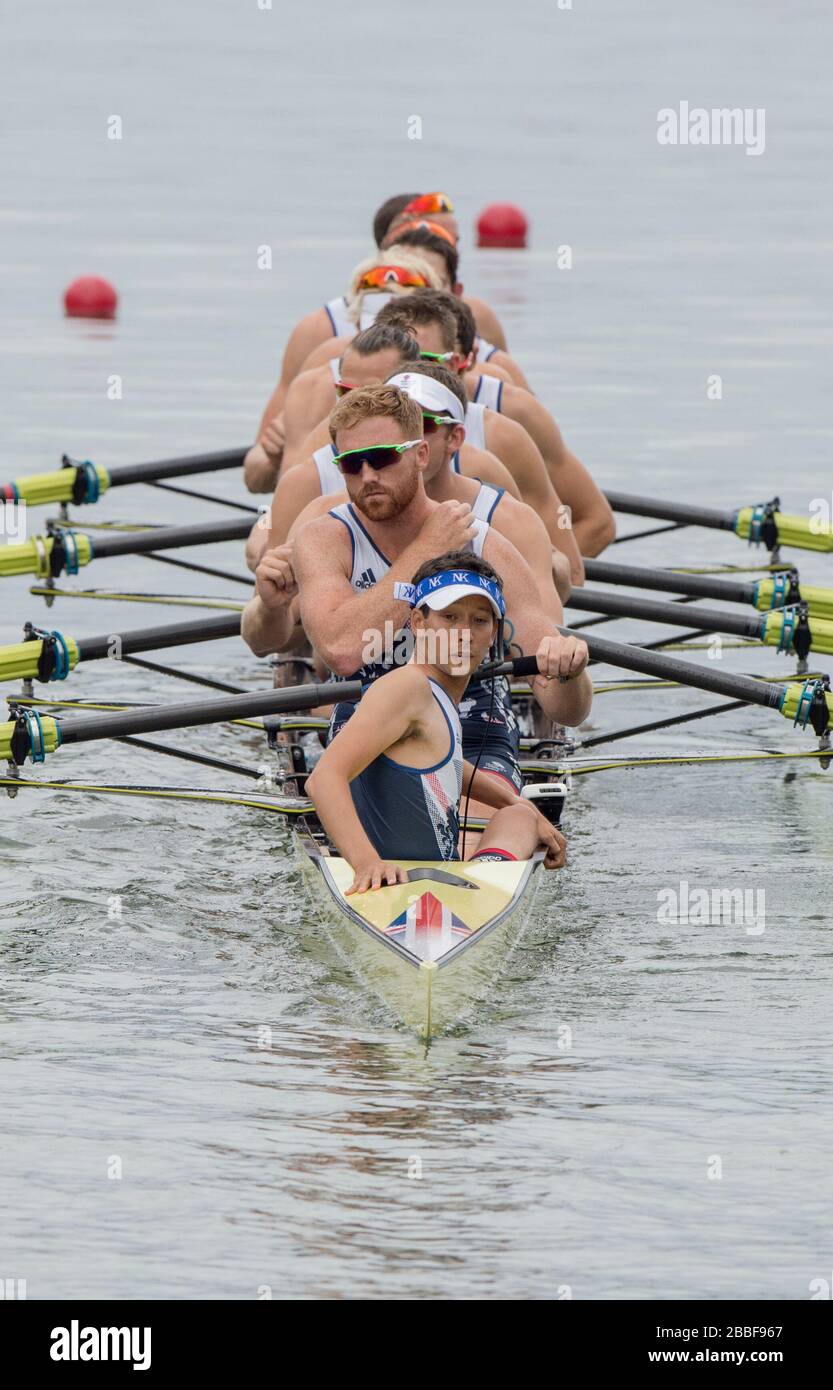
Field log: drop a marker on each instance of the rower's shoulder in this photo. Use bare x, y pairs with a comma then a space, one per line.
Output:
409, 685
480, 465
309, 378
322, 353
320, 510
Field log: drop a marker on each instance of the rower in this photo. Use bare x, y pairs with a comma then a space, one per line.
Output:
313, 394
344, 567
498, 440
434, 248
337, 319
475, 354
367, 360
498, 404
319, 477
373, 283
441, 398
439, 209
389, 786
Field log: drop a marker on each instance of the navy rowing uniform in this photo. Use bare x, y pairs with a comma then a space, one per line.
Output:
491, 737
411, 812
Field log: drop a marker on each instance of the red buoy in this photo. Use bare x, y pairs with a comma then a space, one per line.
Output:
502, 224
90, 297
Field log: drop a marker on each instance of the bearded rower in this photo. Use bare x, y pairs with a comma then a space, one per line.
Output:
486, 430
442, 398
389, 786
444, 480
345, 566
443, 402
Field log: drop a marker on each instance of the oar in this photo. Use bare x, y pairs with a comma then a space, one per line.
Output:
33, 735
763, 524
86, 482
50, 655
774, 591
803, 702
65, 551
788, 629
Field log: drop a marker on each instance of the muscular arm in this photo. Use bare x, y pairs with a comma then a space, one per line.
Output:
315, 328
593, 523
527, 532
390, 710
488, 323
479, 463
296, 489
314, 440
513, 445
534, 617
336, 618
509, 366
260, 469
309, 399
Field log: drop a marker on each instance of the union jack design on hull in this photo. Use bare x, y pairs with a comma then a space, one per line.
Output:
428, 927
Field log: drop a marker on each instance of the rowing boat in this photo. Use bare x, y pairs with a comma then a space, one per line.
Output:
430, 948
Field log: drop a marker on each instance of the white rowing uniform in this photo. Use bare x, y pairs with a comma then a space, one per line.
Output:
485, 350
332, 479
342, 325
335, 369
476, 424
489, 392
329, 474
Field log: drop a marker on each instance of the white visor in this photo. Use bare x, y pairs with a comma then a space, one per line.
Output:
434, 398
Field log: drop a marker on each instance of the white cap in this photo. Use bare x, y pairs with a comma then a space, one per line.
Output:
430, 394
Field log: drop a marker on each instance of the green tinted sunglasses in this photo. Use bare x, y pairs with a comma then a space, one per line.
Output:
378, 456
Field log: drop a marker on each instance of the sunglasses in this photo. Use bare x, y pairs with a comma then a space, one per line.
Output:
382, 275
430, 202
430, 423
378, 456
433, 227
437, 356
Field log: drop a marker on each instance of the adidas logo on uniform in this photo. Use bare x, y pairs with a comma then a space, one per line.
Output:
366, 580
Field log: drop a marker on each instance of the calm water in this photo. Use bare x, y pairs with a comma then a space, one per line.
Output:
567, 1136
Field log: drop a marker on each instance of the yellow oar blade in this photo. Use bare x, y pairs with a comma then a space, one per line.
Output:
819, 601
806, 702
781, 628
803, 532
33, 556
21, 660
40, 488
43, 736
